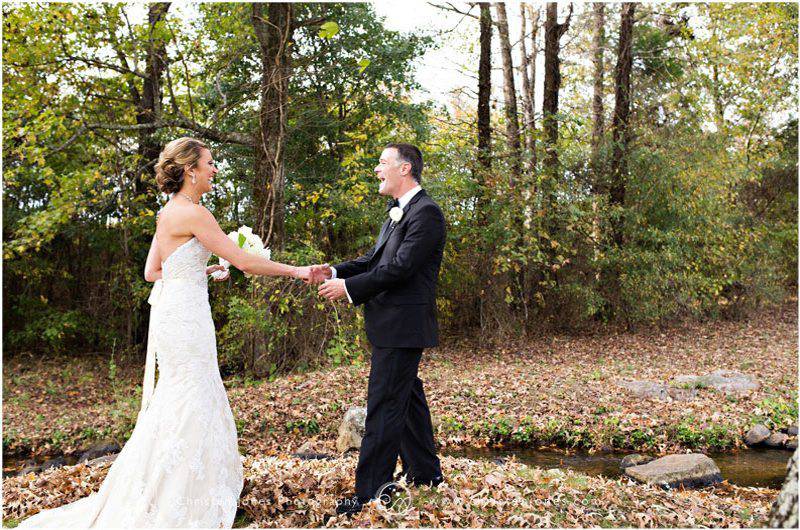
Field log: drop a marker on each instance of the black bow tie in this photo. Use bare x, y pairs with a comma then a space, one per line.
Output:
392, 203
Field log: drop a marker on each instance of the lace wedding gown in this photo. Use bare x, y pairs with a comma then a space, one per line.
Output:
181, 466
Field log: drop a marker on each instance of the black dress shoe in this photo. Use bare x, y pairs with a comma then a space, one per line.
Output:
350, 505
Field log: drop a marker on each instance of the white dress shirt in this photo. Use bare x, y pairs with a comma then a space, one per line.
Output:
404, 200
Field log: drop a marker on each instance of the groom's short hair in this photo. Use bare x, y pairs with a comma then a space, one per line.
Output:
411, 154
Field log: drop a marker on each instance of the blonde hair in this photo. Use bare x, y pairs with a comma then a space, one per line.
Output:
171, 162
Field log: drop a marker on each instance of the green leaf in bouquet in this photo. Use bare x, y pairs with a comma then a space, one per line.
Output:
242, 239
328, 29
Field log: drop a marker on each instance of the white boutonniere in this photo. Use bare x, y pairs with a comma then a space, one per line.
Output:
396, 213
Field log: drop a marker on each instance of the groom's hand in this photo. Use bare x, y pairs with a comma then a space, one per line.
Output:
319, 273
332, 289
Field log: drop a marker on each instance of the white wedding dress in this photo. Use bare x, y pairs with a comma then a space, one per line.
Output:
181, 466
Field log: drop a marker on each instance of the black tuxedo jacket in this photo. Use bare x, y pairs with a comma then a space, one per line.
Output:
396, 280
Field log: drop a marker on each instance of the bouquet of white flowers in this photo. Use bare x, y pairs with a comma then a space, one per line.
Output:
247, 241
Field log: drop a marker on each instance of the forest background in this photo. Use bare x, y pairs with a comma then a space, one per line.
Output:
608, 164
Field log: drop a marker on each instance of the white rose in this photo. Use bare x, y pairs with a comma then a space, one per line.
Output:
246, 231
396, 214
255, 241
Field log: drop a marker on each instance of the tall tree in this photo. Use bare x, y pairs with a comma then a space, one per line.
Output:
149, 104
528, 74
485, 88
622, 110
509, 94
552, 82
274, 32
598, 45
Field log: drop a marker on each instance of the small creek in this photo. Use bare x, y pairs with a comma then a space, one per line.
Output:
760, 467
764, 468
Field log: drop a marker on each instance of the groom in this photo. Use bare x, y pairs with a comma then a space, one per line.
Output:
396, 281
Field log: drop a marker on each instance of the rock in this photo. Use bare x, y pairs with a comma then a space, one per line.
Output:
99, 450
792, 430
351, 429
689, 470
102, 459
757, 434
727, 381
647, 389
776, 439
59, 461
634, 460
784, 510
791, 444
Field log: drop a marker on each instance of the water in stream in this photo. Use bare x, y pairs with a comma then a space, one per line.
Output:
764, 468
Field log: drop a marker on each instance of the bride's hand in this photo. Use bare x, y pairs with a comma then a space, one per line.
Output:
302, 273
215, 268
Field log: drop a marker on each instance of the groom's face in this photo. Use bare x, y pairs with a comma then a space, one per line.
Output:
391, 172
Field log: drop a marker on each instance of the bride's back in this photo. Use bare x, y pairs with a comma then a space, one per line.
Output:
171, 228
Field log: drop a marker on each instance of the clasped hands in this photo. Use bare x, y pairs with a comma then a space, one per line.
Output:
332, 289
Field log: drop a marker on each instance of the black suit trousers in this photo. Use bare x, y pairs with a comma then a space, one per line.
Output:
398, 422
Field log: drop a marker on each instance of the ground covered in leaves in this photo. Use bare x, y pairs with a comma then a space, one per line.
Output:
558, 391
283, 491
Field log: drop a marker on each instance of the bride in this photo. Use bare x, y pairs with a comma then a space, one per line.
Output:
181, 466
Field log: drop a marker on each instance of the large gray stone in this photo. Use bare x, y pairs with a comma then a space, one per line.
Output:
791, 443
689, 470
351, 430
792, 430
727, 381
776, 439
757, 434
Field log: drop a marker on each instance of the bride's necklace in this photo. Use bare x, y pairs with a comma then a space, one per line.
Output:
187, 197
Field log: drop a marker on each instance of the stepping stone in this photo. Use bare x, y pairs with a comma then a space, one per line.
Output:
692, 470
757, 434
727, 381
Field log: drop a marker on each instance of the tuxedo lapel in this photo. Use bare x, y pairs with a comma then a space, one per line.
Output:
389, 226
383, 236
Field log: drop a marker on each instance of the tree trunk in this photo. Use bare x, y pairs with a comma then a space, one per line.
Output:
529, 78
149, 105
784, 510
274, 32
509, 94
598, 125
485, 89
552, 83
527, 84
622, 109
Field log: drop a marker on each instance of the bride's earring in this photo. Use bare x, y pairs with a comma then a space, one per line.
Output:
194, 179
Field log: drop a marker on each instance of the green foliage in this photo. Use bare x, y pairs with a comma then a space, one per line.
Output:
776, 412
305, 426
709, 220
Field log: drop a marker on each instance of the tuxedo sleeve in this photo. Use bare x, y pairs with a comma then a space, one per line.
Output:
424, 234
350, 268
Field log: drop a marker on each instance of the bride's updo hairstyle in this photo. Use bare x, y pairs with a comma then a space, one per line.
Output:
176, 155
